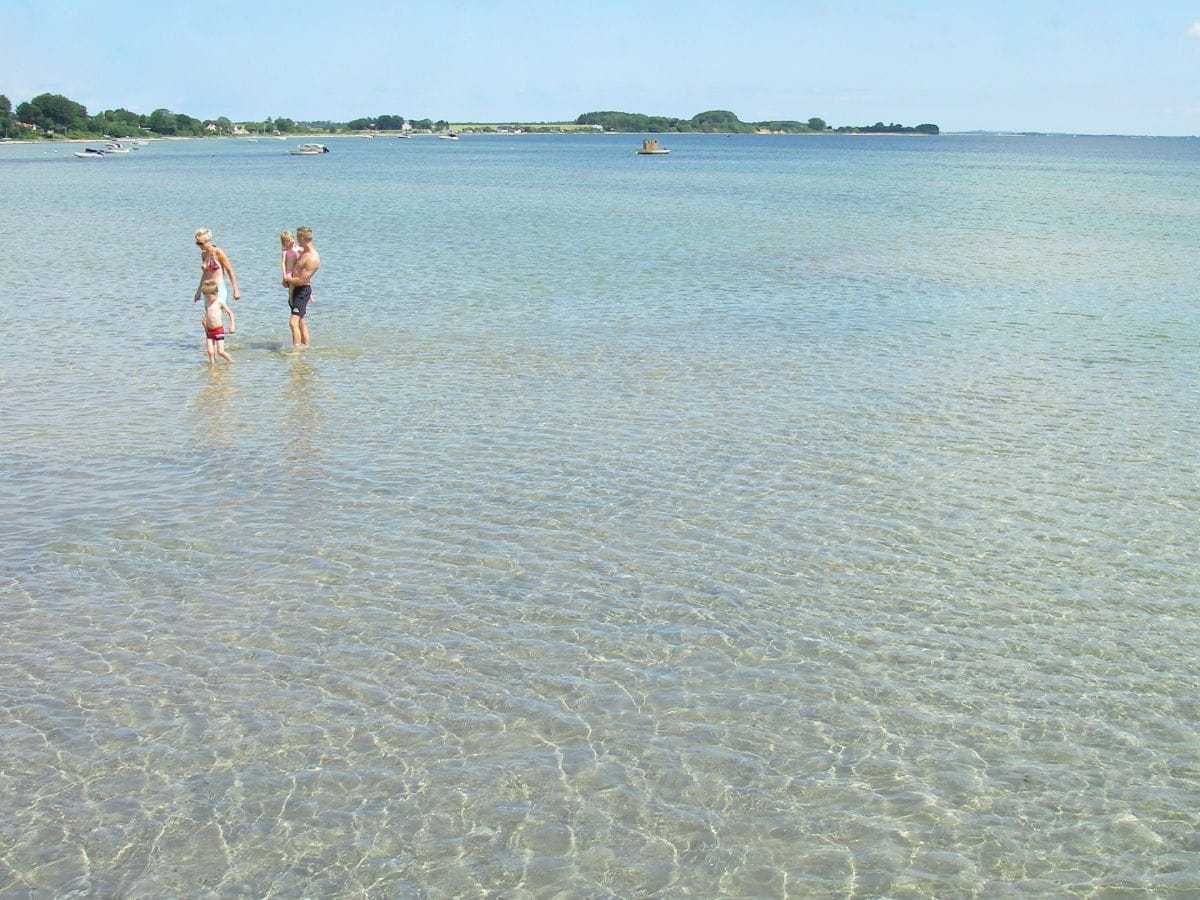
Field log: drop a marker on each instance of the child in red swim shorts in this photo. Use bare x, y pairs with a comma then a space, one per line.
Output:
214, 324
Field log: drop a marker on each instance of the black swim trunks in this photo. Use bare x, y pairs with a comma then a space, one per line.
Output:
300, 298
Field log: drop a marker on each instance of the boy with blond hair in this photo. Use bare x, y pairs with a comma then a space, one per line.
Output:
214, 324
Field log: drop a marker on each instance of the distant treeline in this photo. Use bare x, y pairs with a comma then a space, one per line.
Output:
723, 121
53, 115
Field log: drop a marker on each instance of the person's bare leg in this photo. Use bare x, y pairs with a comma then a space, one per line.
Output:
294, 324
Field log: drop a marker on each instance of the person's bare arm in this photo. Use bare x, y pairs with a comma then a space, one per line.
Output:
225, 264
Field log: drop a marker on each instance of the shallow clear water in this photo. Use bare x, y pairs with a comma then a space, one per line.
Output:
782, 517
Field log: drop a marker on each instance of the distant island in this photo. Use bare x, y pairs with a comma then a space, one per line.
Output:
724, 122
53, 116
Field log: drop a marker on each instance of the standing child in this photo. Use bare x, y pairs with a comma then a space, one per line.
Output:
214, 324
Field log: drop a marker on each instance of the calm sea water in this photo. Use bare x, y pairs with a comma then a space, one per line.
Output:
782, 517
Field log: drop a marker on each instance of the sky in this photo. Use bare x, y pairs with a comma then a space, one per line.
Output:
1116, 67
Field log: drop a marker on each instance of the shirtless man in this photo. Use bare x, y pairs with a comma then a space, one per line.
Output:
300, 281
214, 324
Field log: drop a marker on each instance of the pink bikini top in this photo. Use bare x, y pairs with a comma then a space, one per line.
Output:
209, 262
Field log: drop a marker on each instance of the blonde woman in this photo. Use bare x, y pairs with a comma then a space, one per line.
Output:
214, 266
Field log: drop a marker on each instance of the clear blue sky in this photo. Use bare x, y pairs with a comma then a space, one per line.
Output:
1123, 66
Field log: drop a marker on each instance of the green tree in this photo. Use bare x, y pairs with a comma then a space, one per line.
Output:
613, 120
162, 121
117, 123
660, 124
185, 124
285, 125
719, 120
54, 112
817, 124
5, 114
389, 123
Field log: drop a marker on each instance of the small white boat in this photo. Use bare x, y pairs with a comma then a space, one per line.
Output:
116, 147
449, 136
309, 150
650, 147
90, 153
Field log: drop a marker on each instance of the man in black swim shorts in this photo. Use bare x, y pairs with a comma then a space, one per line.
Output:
300, 282
299, 301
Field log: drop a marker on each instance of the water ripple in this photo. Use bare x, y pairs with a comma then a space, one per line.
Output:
819, 524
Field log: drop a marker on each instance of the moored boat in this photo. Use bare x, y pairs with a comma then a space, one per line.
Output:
309, 150
650, 147
90, 153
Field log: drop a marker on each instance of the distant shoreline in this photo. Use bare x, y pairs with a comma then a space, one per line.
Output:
469, 130
298, 136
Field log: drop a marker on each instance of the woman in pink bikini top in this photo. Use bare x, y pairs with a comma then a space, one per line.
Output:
214, 266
